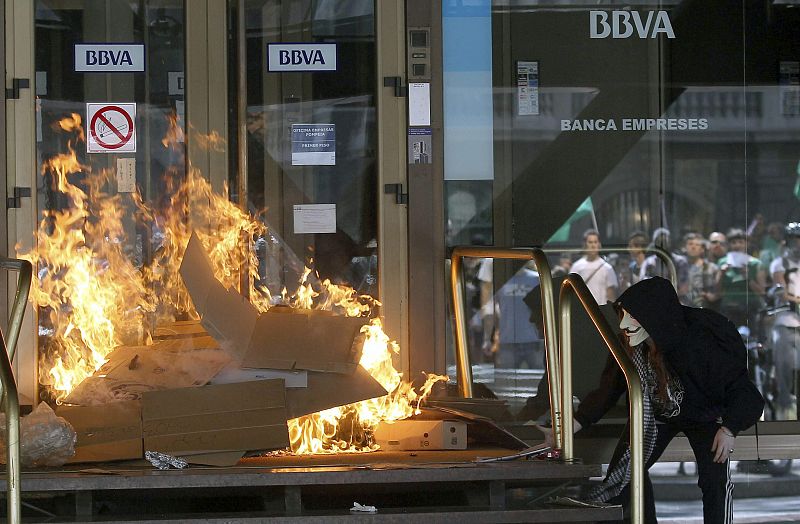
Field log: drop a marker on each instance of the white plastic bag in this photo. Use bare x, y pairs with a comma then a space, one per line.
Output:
45, 439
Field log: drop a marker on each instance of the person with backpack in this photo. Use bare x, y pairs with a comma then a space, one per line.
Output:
598, 274
785, 332
693, 367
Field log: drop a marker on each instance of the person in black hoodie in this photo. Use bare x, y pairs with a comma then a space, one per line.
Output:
695, 381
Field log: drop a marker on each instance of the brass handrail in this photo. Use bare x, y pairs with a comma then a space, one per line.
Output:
10, 397
463, 367
574, 285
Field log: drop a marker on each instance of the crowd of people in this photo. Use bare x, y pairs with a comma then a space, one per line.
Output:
752, 277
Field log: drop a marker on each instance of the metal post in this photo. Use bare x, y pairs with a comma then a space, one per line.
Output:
10, 397
241, 117
574, 285
463, 367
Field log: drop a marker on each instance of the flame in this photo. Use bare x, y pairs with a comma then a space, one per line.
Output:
322, 432
174, 133
93, 295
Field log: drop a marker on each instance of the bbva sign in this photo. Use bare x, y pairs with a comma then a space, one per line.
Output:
301, 57
624, 24
109, 58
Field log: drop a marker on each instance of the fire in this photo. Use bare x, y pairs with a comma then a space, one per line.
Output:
93, 294
322, 432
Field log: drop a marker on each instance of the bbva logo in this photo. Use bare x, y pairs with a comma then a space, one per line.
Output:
624, 23
300, 56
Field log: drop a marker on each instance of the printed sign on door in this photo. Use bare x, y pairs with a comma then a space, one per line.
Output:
111, 128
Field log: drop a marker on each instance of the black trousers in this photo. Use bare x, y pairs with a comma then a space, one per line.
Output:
714, 479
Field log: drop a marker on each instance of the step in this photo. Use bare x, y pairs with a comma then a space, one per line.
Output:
423, 486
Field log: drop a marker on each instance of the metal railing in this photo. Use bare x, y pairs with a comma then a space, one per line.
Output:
10, 397
574, 285
463, 366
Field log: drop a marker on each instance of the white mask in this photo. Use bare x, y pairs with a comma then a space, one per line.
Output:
632, 329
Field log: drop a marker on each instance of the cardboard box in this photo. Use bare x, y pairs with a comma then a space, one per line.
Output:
109, 432
408, 435
167, 364
180, 329
227, 417
286, 338
328, 390
282, 338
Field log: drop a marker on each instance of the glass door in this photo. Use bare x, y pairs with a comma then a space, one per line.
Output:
311, 135
133, 146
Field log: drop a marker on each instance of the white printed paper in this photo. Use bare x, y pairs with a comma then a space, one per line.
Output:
126, 175
313, 144
314, 218
527, 88
419, 104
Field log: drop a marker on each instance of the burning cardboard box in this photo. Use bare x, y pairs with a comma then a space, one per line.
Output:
282, 338
325, 346
112, 431
211, 419
167, 364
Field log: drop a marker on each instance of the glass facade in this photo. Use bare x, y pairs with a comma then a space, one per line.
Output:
670, 124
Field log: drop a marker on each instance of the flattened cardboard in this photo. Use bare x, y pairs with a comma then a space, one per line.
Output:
281, 338
180, 329
232, 374
227, 417
230, 318
109, 432
195, 268
167, 364
305, 339
329, 390
221, 459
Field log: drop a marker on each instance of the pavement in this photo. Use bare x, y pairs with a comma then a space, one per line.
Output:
758, 497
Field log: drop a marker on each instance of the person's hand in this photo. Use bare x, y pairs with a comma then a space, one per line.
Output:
723, 445
548, 432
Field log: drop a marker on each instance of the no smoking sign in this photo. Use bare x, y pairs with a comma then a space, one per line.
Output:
111, 128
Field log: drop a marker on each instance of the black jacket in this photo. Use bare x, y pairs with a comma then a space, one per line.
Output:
715, 379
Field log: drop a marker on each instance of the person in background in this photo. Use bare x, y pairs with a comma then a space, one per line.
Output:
771, 244
563, 266
472, 300
743, 281
637, 243
519, 341
487, 311
702, 289
755, 235
785, 271
653, 265
596, 272
718, 246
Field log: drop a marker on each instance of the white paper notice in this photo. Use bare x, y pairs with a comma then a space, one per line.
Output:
126, 175
527, 88
314, 218
419, 104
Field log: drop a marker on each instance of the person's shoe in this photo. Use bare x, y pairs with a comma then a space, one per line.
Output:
682, 469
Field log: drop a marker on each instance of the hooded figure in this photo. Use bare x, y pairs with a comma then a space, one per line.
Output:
693, 367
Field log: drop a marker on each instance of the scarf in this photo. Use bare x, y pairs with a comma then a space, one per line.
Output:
619, 474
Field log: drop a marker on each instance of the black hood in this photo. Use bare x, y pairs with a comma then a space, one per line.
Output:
654, 303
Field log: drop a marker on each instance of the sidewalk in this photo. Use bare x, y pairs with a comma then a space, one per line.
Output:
757, 497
